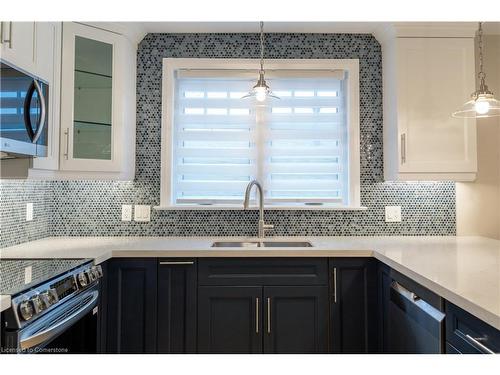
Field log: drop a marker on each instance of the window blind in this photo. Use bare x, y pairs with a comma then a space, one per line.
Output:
296, 146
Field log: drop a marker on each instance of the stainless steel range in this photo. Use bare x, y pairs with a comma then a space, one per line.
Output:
59, 315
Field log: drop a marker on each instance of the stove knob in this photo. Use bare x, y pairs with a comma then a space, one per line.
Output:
82, 279
37, 303
26, 309
95, 272
99, 270
90, 275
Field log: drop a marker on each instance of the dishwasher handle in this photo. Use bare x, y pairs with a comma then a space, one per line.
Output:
415, 306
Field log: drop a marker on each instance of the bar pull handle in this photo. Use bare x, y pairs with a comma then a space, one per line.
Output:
476, 343
257, 315
268, 316
403, 148
1, 32
174, 263
66, 149
335, 284
10, 35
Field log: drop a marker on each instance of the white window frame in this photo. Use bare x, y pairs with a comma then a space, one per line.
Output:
171, 65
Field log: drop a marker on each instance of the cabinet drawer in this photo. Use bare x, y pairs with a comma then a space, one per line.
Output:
469, 334
263, 271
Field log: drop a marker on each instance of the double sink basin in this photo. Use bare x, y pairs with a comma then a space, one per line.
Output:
253, 244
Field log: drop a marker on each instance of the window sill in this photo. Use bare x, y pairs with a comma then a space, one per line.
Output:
232, 207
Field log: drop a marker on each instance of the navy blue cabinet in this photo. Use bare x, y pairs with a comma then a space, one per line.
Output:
263, 305
467, 334
353, 305
131, 313
177, 289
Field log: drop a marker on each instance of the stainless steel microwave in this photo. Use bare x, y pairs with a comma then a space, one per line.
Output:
23, 113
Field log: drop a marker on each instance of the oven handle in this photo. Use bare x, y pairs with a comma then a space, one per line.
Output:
53, 331
27, 119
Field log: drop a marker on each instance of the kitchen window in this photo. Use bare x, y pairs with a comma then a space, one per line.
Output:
303, 147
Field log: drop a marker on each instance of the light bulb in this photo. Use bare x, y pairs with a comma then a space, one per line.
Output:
260, 94
482, 107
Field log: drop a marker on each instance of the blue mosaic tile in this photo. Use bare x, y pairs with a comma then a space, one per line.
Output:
93, 207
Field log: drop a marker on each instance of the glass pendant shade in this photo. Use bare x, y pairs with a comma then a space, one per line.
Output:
261, 90
480, 106
482, 103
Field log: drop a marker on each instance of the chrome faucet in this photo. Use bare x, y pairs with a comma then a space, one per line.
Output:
262, 226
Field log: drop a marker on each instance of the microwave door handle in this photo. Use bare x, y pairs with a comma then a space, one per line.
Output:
27, 105
43, 109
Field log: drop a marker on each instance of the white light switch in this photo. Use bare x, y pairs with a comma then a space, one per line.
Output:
142, 213
126, 212
29, 211
392, 214
27, 275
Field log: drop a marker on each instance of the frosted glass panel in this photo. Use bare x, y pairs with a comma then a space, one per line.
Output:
92, 99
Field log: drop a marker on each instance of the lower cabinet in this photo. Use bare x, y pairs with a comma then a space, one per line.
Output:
353, 305
269, 319
177, 285
131, 323
229, 319
295, 319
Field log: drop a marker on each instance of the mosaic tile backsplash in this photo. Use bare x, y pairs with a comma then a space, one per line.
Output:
94, 207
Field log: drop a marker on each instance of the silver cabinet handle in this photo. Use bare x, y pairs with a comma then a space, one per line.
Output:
268, 316
66, 150
173, 263
403, 148
1, 32
10, 35
257, 315
475, 342
335, 284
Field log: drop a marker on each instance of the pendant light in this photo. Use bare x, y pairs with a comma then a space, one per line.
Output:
482, 104
261, 90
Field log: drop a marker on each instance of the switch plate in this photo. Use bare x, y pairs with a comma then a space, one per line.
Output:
126, 212
28, 271
29, 211
392, 214
142, 213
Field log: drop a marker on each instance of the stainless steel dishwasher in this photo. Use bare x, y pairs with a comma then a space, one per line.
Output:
414, 325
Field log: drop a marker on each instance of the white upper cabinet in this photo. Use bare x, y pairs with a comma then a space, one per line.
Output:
425, 80
18, 44
92, 105
48, 67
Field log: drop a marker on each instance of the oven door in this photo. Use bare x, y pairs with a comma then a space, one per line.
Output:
71, 328
23, 113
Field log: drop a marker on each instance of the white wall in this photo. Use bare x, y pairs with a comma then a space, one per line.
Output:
478, 203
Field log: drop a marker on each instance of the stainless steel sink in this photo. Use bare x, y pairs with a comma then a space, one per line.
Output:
251, 244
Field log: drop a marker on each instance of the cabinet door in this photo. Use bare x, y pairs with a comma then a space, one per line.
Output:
48, 67
230, 319
17, 44
353, 309
131, 324
91, 115
435, 76
176, 306
296, 319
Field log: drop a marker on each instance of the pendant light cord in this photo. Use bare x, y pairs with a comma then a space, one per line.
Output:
261, 46
481, 74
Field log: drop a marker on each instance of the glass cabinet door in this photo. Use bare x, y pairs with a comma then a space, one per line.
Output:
92, 99
90, 120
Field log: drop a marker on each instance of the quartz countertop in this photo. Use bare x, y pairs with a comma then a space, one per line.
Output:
463, 270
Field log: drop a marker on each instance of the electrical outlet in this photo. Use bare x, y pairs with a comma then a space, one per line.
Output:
28, 271
142, 213
29, 211
392, 214
126, 212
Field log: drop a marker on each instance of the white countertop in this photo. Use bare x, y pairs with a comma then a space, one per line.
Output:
463, 270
